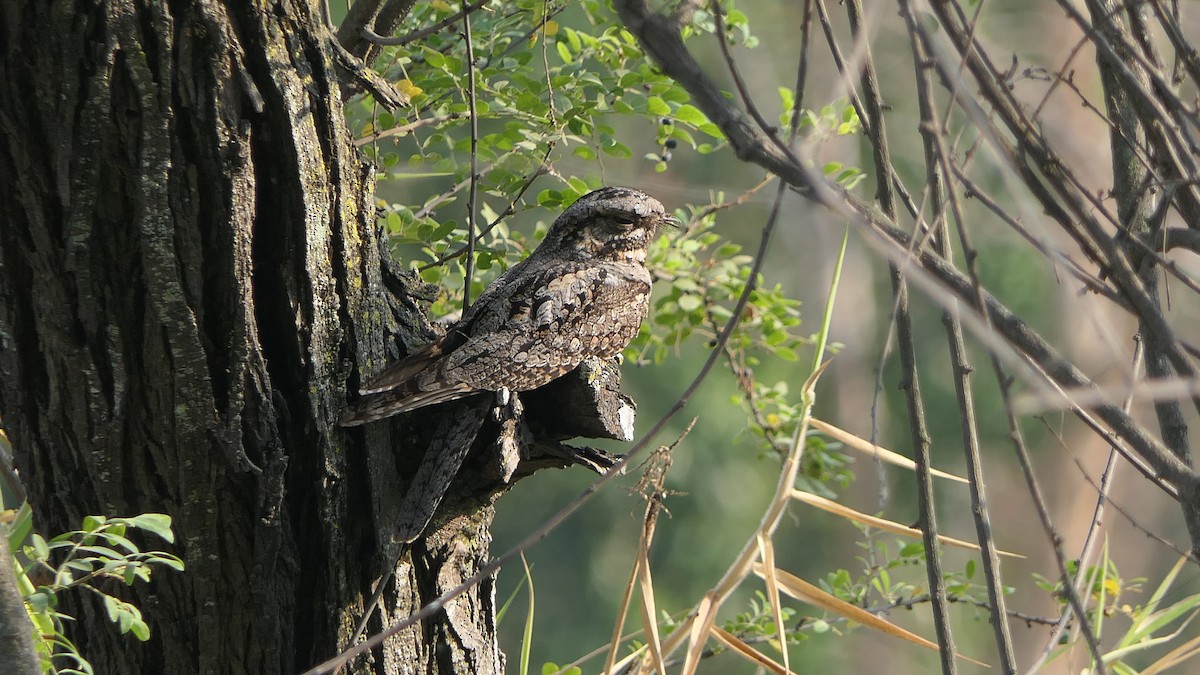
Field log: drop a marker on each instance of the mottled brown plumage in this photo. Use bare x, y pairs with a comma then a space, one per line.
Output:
582, 293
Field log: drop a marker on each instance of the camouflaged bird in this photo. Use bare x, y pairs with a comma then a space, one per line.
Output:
582, 293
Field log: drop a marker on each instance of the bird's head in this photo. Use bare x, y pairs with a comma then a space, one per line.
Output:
615, 223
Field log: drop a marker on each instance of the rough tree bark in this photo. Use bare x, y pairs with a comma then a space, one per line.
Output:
191, 275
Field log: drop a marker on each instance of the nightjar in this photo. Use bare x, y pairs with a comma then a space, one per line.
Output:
582, 293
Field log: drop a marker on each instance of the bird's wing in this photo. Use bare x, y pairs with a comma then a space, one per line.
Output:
401, 399
406, 385
419, 361
552, 321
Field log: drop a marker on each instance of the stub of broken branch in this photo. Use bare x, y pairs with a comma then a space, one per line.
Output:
587, 402
519, 437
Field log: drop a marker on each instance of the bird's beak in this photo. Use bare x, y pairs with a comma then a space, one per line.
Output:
672, 221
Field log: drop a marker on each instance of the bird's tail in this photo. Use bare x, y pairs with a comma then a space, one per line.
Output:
399, 400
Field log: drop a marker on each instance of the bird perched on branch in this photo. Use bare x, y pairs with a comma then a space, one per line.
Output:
582, 293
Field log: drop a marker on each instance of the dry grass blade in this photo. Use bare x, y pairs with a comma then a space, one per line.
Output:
881, 523
867, 448
649, 613
766, 550
706, 614
806, 592
603, 649
652, 487
622, 612
746, 651
623, 666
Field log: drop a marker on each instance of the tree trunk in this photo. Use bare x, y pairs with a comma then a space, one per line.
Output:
16, 631
190, 270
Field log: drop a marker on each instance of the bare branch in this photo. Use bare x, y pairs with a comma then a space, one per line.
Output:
377, 39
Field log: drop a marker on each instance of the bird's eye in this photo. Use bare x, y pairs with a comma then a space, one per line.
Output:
623, 220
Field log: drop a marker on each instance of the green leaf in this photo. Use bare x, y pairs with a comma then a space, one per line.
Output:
170, 561
442, 231
112, 608
616, 149
690, 114
125, 620
579, 185
657, 106
787, 354
564, 52
40, 548
690, 302
117, 541
549, 198
393, 222
21, 526
103, 552
787, 98
573, 38
433, 57
42, 600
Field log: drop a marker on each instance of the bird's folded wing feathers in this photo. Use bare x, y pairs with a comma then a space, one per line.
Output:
419, 361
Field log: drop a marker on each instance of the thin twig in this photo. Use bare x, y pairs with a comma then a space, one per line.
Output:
938, 173
1014, 427
1035, 493
1133, 521
405, 128
469, 265
1089, 541
1010, 337
458, 187
739, 83
1063, 196
910, 381
546, 63
374, 38
652, 487
845, 69
508, 211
